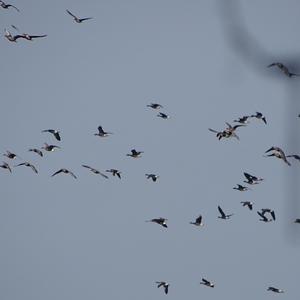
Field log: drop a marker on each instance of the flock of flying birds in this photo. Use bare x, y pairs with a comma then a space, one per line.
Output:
265, 214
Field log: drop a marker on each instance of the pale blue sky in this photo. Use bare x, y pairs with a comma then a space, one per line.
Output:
206, 64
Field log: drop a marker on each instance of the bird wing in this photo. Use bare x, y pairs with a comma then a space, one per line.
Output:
199, 219
37, 36
71, 14
101, 131
134, 152
84, 19
221, 211
273, 215
57, 136
10, 5
212, 130
57, 172
103, 175
166, 289
88, 167
248, 176
72, 174
33, 168
205, 281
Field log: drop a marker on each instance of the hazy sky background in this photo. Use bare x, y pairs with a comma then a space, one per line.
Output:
205, 62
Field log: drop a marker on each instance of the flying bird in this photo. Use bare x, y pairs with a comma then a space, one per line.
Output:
259, 116
95, 171
283, 68
5, 165
76, 19
50, 147
207, 283
248, 204
164, 284
37, 151
278, 152
6, 5
160, 221
27, 164
252, 179
275, 290
241, 188
102, 133
223, 215
198, 221
65, 171
10, 155
135, 154
114, 172
56, 133
152, 176
155, 105
270, 211
163, 115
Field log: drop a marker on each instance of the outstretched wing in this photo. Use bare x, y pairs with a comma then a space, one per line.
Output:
84, 19
221, 211
57, 172
71, 14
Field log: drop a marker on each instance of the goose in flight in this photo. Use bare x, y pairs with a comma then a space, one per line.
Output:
65, 171
252, 179
102, 133
283, 68
155, 105
198, 221
164, 284
135, 154
114, 172
275, 290
248, 204
160, 221
259, 116
10, 155
5, 165
76, 19
27, 164
207, 283
163, 115
242, 120
241, 188
223, 215
278, 152
95, 171
56, 133
10, 37
37, 151
270, 211
50, 147
152, 176
6, 5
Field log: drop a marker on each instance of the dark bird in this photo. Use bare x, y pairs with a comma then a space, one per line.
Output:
10, 155
163, 115
54, 132
114, 172
30, 37
102, 133
259, 116
95, 171
270, 211
263, 217
76, 19
241, 188
248, 204
64, 171
242, 120
6, 5
5, 165
207, 283
275, 290
27, 164
164, 284
152, 176
37, 151
252, 179
278, 152
283, 68
10, 37
155, 105
50, 147
160, 221
297, 221
295, 156
135, 154
223, 215
198, 221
